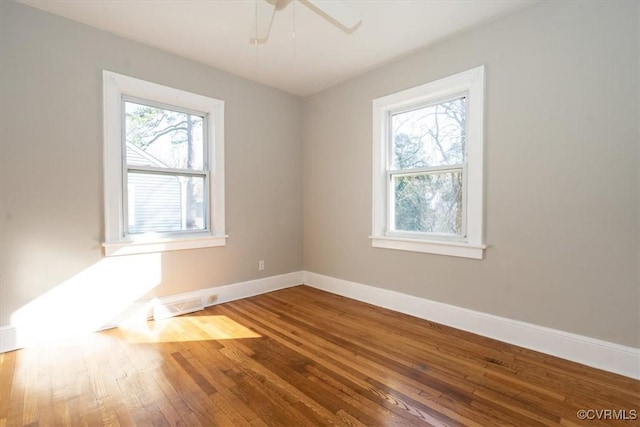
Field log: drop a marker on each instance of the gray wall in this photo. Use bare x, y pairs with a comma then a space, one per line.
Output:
562, 184
562, 161
51, 162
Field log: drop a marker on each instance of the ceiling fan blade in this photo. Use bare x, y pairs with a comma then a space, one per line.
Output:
339, 11
262, 19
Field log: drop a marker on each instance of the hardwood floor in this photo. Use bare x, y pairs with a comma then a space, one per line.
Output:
302, 357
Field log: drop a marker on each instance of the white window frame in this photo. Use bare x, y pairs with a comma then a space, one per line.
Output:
471, 245
117, 241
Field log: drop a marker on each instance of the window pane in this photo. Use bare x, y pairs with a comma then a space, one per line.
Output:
429, 203
430, 136
163, 138
160, 203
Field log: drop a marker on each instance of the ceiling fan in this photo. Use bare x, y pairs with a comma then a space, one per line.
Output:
337, 12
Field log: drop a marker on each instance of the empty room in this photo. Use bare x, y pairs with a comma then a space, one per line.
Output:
319, 212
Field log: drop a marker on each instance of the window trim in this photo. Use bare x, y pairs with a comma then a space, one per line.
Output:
116, 240
470, 84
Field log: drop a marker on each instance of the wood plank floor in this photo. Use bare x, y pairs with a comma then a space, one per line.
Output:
302, 357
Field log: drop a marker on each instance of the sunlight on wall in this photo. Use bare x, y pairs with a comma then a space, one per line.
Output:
186, 328
99, 296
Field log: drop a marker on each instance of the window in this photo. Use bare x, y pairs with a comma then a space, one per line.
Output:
428, 167
163, 167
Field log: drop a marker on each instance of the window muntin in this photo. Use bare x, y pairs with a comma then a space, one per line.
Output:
165, 168
426, 174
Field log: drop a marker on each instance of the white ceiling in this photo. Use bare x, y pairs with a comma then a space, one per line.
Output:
217, 32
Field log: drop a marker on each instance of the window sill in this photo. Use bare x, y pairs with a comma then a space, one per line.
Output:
130, 247
457, 249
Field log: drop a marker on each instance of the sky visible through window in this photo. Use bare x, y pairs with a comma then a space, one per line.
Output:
427, 158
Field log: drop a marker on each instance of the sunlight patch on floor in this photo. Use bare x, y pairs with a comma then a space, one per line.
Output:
186, 328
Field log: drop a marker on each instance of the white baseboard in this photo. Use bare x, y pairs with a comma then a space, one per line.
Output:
241, 290
577, 348
10, 335
8, 339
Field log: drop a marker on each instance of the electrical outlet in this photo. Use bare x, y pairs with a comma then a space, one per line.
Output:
261, 265
212, 298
